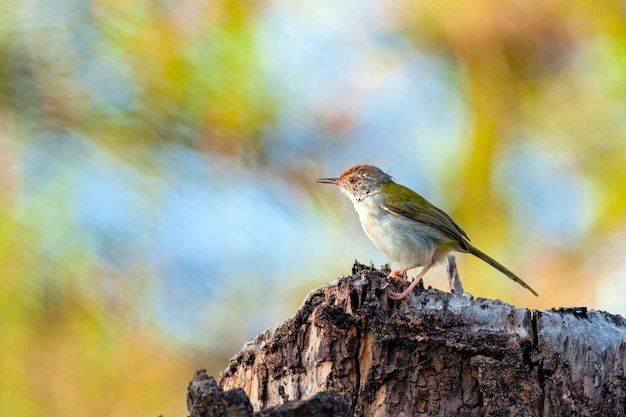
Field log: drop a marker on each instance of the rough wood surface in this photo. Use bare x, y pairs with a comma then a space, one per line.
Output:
435, 354
206, 399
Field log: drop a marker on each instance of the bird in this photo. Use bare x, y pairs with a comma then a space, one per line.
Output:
407, 228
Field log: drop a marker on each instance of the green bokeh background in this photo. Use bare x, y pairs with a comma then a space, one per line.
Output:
157, 203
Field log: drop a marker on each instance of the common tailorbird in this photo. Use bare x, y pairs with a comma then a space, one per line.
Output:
405, 226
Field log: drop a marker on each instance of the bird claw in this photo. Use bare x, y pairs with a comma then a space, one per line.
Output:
397, 276
395, 295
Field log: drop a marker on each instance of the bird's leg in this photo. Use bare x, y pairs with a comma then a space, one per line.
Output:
418, 278
400, 274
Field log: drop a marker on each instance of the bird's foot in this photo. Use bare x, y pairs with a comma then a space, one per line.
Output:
404, 294
398, 274
401, 274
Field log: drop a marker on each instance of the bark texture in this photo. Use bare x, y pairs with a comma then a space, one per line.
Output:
206, 399
435, 354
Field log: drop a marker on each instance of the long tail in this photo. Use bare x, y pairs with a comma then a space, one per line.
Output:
482, 255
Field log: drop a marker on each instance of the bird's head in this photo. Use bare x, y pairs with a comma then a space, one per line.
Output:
359, 181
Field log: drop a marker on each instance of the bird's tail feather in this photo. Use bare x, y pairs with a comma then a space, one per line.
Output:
497, 265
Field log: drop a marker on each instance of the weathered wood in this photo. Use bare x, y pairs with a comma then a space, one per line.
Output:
206, 399
453, 276
435, 354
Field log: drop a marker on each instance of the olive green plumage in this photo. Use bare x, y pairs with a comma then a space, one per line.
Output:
405, 226
404, 202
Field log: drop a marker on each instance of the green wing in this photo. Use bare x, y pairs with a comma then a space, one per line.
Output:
421, 210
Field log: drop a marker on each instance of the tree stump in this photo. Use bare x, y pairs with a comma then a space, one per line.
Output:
434, 354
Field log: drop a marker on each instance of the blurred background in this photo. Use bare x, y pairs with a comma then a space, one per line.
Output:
157, 158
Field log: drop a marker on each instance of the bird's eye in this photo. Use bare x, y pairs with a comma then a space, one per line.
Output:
352, 180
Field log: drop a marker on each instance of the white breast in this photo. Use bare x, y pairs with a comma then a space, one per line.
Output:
404, 241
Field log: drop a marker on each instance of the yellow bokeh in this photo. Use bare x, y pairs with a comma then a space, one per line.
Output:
135, 86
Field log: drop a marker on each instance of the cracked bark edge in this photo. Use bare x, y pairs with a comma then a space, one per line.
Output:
435, 354
454, 280
206, 399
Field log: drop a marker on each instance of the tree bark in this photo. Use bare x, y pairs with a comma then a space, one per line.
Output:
434, 354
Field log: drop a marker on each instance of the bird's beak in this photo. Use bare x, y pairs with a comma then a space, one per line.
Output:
328, 180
